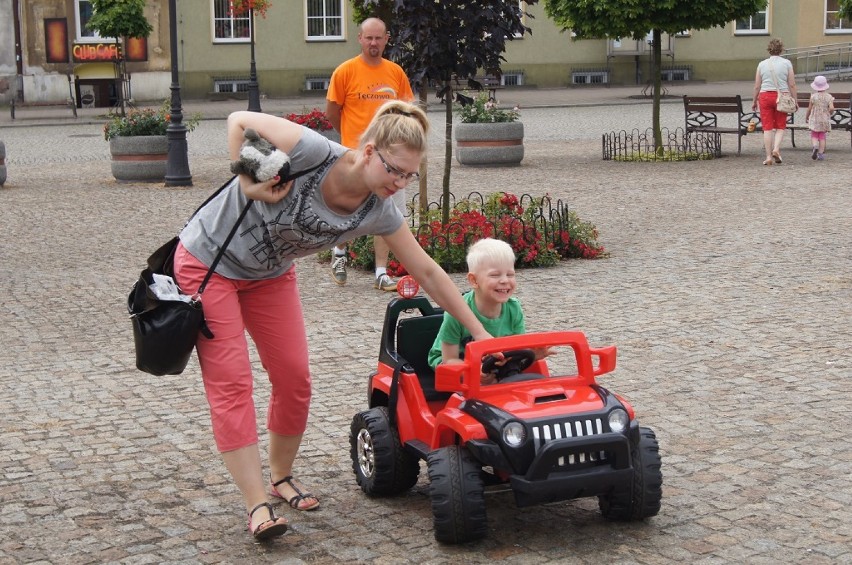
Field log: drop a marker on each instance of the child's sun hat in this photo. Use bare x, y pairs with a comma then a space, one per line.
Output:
820, 83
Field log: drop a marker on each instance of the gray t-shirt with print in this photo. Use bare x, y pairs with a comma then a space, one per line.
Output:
272, 235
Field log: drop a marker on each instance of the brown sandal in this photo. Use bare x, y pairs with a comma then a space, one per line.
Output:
298, 498
274, 529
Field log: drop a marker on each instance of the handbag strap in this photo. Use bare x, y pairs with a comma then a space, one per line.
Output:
221, 252
236, 225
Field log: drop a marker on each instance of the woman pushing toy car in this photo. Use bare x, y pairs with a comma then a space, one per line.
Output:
254, 287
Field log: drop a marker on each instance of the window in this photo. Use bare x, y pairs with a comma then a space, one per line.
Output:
833, 22
522, 6
317, 82
673, 74
590, 77
84, 13
324, 19
512, 78
755, 24
231, 85
228, 28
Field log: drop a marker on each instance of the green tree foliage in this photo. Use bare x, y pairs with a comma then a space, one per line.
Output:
448, 44
599, 19
120, 19
846, 9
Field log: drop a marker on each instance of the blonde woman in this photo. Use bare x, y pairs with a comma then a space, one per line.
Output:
255, 286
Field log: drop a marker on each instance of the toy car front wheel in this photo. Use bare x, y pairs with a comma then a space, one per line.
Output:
381, 464
643, 499
458, 497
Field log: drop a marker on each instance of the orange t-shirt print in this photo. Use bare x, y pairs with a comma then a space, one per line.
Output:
361, 89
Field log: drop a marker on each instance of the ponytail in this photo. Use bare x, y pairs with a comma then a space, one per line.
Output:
398, 123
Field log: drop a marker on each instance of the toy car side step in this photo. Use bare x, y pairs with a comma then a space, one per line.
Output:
418, 448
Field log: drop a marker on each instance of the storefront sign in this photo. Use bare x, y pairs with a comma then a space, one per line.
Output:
137, 51
91, 52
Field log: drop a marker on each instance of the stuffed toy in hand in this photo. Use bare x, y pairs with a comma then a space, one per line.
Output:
260, 160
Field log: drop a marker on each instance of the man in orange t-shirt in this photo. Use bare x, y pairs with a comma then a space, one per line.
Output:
358, 87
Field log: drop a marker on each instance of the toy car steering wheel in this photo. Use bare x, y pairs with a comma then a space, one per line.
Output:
516, 361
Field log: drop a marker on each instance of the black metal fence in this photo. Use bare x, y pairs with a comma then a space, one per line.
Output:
677, 145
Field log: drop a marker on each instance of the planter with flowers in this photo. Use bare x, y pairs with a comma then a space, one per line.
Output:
138, 144
541, 231
316, 120
488, 134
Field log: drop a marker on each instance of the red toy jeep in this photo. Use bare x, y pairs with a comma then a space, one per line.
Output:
549, 437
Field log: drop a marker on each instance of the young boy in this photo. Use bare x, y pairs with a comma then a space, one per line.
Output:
491, 274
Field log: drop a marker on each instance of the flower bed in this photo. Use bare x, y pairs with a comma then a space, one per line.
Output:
482, 110
147, 121
314, 119
540, 231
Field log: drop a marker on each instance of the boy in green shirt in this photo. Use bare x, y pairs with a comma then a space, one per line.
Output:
491, 274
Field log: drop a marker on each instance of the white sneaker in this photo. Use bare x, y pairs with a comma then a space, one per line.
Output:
385, 282
338, 269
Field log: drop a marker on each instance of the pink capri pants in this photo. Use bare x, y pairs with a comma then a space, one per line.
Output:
271, 311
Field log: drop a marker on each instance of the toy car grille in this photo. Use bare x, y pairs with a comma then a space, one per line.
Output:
546, 432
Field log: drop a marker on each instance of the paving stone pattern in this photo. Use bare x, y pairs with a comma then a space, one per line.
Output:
728, 292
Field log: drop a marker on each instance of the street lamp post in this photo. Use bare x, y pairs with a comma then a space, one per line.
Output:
253, 94
177, 161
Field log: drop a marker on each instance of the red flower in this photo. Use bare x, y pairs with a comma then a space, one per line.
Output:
315, 119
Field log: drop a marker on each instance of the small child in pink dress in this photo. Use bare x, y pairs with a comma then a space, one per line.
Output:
818, 116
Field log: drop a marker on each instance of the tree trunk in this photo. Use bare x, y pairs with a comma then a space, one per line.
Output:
448, 152
657, 78
424, 173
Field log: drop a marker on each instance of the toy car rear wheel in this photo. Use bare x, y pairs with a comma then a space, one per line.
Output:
381, 464
458, 496
643, 499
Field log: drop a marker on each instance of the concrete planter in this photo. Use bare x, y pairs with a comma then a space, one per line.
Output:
490, 144
139, 158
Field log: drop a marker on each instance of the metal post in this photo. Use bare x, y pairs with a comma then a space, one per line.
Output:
253, 94
177, 161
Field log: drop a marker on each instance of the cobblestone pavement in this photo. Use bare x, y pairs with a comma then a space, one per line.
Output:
728, 293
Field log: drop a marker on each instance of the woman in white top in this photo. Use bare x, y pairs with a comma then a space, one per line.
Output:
773, 74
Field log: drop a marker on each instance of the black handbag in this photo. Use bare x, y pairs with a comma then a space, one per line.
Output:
165, 331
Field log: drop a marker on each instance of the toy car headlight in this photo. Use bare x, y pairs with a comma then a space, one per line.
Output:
514, 434
618, 421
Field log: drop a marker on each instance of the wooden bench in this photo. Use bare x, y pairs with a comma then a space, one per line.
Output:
841, 118
702, 116
491, 84
22, 105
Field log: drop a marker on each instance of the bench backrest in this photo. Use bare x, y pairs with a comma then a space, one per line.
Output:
841, 99
701, 111
714, 104
841, 118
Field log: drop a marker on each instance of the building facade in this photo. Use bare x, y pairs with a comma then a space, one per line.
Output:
49, 55
299, 43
